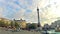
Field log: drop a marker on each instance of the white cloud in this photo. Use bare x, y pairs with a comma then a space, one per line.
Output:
49, 10
19, 14
1, 11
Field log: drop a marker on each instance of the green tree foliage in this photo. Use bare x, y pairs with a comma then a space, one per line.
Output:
2, 24
31, 26
11, 24
16, 25
28, 24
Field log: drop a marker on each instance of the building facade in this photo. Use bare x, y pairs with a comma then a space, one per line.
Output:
21, 23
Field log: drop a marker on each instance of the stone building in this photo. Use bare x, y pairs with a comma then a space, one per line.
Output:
22, 23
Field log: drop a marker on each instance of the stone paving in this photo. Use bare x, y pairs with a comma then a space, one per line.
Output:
20, 32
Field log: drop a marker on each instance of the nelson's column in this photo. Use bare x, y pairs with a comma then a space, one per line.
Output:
38, 17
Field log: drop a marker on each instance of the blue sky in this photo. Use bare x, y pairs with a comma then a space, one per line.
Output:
17, 9
13, 6
26, 9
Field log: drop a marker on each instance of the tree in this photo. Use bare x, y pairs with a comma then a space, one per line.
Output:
16, 25
2, 24
32, 26
28, 25
11, 24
